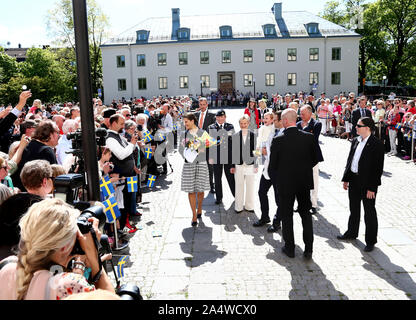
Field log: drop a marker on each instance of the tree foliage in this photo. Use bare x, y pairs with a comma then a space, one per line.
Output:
60, 22
388, 43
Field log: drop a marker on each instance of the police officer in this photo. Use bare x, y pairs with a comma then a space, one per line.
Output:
219, 156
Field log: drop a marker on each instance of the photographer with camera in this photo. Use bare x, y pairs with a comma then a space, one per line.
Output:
49, 233
122, 158
64, 144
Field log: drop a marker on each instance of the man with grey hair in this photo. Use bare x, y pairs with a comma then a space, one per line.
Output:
64, 144
292, 157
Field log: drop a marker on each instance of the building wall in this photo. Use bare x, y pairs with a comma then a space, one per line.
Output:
348, 66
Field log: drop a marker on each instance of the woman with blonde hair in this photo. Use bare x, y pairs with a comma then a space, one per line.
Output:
49, 232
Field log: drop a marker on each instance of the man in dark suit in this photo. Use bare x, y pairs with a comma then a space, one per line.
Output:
219, 156
358, 113
310, 125
205, 119
362, 176
293, 155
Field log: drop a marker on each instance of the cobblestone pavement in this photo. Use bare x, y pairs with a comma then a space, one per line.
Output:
225, 257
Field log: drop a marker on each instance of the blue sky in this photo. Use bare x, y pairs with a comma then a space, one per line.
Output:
24, 21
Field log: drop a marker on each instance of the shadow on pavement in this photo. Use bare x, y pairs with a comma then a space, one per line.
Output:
198, 243
325, 175
324, 229
380, 264
308, 280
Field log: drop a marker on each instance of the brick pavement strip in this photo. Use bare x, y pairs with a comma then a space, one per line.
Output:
225, 257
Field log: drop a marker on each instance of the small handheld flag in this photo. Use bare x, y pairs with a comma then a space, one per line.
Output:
120, 266
175, 127
147, 137
151, 181
148, 153
398, 126
132, 185
106, 187
112, 212
161, 137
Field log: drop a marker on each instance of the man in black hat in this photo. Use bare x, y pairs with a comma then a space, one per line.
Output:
107, 113
219, 156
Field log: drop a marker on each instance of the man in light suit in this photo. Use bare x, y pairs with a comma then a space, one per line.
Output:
362, 176
293, 155
205, 119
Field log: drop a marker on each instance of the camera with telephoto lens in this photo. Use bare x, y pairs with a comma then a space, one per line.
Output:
86, 226
129, 292
76, 137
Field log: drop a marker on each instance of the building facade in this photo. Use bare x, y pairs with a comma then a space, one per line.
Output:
275, 52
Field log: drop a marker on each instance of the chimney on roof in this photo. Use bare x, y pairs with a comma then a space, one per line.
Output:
19, 46
277, 10
176, 24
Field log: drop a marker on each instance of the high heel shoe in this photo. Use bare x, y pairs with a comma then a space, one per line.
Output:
194, 223
199, 215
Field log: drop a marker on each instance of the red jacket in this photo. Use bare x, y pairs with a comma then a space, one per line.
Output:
257, 112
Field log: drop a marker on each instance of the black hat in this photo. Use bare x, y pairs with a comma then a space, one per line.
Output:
220, 113
108, 113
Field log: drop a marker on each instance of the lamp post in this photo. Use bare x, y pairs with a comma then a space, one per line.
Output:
200, 82
84, 91
254, 83
384, 80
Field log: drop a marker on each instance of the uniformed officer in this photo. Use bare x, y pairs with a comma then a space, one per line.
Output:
219, 156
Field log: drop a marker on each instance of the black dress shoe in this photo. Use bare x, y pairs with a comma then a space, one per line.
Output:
369, 248
273, 228
199, 215
260, 223
307, 255
313, 210
218, 201
289, 254
194, 223
345, 237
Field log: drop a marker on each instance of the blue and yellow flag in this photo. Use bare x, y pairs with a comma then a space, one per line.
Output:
175, 127
148, 153
120, 266
398, 126
151, 181
132, 184
106, 187
161, 136
147, 137
112, 212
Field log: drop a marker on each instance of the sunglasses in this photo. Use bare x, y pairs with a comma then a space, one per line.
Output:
128, 115
361, 126
4, 167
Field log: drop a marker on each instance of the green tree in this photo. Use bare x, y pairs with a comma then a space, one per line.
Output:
61, 25
8, 67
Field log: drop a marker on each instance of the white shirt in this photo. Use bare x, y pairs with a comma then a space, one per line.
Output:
167, 123
357, 154
263, 134
268, 146
118, 150
64, 145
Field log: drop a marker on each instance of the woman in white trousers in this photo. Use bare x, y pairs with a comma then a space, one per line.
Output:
245, 167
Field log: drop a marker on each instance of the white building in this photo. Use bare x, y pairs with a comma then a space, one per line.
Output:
274, 51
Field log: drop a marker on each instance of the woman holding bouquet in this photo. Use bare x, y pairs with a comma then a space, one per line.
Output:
195, 175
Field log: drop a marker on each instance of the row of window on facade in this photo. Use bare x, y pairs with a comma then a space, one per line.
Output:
270, 56
248, 81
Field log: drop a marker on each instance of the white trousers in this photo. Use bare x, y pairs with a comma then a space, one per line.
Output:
324, 128
244, 187
392, 136
314, 192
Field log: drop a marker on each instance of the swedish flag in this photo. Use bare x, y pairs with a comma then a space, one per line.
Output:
147, 137
148, 153
120, 266
132, 185
161, 137
106, 187
398, 126
151, 181
175, 127
112, 212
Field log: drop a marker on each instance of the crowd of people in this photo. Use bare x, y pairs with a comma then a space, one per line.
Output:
37, 145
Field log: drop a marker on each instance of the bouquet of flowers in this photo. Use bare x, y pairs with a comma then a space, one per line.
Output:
205, 141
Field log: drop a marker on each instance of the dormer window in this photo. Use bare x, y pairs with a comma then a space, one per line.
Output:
142, 35
269, 30
312, 28
226, 32
183, 33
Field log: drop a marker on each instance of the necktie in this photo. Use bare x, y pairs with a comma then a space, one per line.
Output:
221, 127
362, 112
201, 120
276, 132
